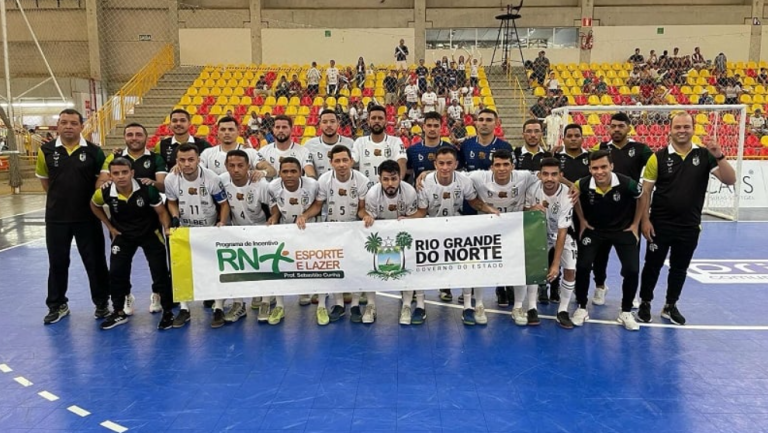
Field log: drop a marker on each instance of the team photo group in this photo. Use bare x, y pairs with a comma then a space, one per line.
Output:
612, 197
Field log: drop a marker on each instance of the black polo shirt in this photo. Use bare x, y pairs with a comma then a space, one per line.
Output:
167, 148
630, 159
680, 185
72, 179
133, 216
574, 168
526, 160
146, 166
612, 210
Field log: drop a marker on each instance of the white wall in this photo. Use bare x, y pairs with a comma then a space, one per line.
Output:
215, 46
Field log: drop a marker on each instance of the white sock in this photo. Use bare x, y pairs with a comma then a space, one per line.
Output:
533, 295
279, 301
355, 300
339, 299
566, 291
183, 306
218, 304
519, 296
371, 298
467, 291
420, 299
478, 297
407, 297
321, 300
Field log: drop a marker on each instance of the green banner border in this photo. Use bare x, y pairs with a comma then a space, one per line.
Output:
536, 254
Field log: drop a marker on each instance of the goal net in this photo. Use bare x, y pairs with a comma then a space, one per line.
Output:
651, 125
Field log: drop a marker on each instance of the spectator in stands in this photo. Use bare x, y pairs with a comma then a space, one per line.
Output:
698, 59
257, 140
282, 87
254, 123
540, 69
458, 132
474, 72
762, 77
653, 59
454, 93
444, 63
362, 114
401, 56
663, 59
706, 98
466, 97
415, 115
757, 123
429, 100
229, 114
411, 92
360, 73
461, 67
634, 76
267, 123
552, 84
721, 63
354, 116
313, 81
261, 87
332, 79
560, 99
421, 75
637, 57
454, 112
452, 75
721, 80
737, 79
538, 110
294, 89
588, 87
390, 88
732, 92
404, 122
601, 88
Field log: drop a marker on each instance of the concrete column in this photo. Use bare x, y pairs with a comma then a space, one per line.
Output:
419, 30
173, 29
94, 47
587, 11
756, 33
256, 31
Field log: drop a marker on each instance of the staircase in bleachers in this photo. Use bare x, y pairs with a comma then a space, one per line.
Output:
511, 104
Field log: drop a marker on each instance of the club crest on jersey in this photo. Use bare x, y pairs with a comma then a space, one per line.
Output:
616, 196
457, 194
192, 191
140, 202
631, 153
696, 160
387, 152
115, 250
203, 190
591, 197
250, 197
430, 156
585, 161
55, 159
147, 163
652, 247
514, 191
353, 192
82, 157
556, 208
239, 196
586, 241
670, 163
304, 200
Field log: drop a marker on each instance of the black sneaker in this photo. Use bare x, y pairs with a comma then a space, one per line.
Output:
511, 294
218, 318
460, 299
419, 316
101, 312
355, 315
501, 297
337, 312
554, 294
543, 295
181, 319
468, 317
115, 319
446, 295
671, 313
533, 317
55, 314
207, 304
644, 312
166, 322
564, 320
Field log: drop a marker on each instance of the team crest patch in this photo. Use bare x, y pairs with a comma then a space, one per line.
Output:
585, 161
353, 192
293, 201
616, 196
250, 197
304, 200
457, 194
446, 195
503, 194
115, 250
555, 208
147, 163
631, 153
430, 157
239, 196
82, 157
481, 155
387, 152
192, 191
696, 160
55, 159
203, 190
652, 247
514, 191
140, 202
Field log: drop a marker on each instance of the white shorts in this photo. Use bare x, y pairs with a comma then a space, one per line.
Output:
570, 253
402, 64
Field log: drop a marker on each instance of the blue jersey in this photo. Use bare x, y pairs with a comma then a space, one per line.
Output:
475, 156
421, 158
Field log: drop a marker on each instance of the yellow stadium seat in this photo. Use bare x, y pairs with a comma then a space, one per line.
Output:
587, 130
402, 110
593, 100
699, 129
209, 83
216, 110
485, 91
331, 101
310, 131
270, 101
617, 82
694, 99
378, 92
671, 100
539, 91
764, 140
205, 75
697, 90
265, 109
560, 67
227, 91
298, 120
719, 99
570, 82
233, 100
203, 131
483, 83
593, 119
282, 101
203, 91
610, 74
593, 66
702, 119
221, 83
712, 90
488, 101
606, 100
416, 129
624, 90
686, 90
729, 119
253, 109
191, 109
294, 101
696, 140
303, 111
565, 75
291, 110
691, 81
228, 108
749, 81
617, 67
471, 131
367, 100
599, 73
751, 65
745, 99
577, 75
185, 100
566, 91
343, 101
197, 100
572, 67
759, 89
246, 100
635, 90
215, 91
344, 92
318, 102
192, 91
576, 91
197, 119
221, 100
758, 99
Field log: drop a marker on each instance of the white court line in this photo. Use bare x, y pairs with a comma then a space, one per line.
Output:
608, 322
23, 381
22, 244
23, 213
5, 369
77, 410
48, 396
114, 427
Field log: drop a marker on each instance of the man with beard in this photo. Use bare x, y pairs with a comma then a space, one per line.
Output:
372, 150
214, 158
529, 155
319, 147
284, 147
180, 123
421, 156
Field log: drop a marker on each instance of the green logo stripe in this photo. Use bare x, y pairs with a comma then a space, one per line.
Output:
536, 259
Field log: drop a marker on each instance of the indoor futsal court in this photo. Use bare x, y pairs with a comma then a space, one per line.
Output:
709, 376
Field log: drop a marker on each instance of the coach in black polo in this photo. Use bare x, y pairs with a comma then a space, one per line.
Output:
68, 168
680, 174
148, 167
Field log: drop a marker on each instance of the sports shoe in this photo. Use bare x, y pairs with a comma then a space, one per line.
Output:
370, 314
671, 313
101, 312
181, 319
446, 295
114, 319
263, 312
154, 303
347, 298
468, 316
255, 303
543, 295
276, 316
580, 316
405, 315
419, 316
208, 304
599, 297
363, 299
218, 318
166, 322
628, 320
128, 307
355, 315
460, 299
564, 320
480, 317
55, 314
501, 297
337, 312
533, 317
315, 299
305, 300
554, 294
235, 312
322, 316
510, 294
518, 315
636, 303
644, 312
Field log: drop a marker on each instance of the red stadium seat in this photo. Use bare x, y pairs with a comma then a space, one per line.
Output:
367, 92
345, 130
641, 129
297, 130
313, 120
683, 99
600, 130
163, 130
278, 110
616, 100
241, 110
258, 100
390, 130
764, 151
212, 139
579, 118
580, 100
249, 92
468, 120
752, 141
391, 111
209, 120
152, 142
306, 101
203, 110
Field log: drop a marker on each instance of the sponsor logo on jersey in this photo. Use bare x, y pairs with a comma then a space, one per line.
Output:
392, 207
192, 191
342, 192
376, 152
240, 196
293, 201
446, 195
503, 194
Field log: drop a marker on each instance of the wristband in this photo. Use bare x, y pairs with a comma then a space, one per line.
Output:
175, 222
720, 158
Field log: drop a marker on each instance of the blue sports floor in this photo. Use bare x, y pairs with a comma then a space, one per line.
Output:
711, 376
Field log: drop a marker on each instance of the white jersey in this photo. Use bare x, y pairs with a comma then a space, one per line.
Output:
342, 198
215, 159
197, 198
273, 155
446, 201
474, 71
559, 211
382, 207
411, 92
245, 202
429, 100
292, 204
505, 198
318, 152
370, 155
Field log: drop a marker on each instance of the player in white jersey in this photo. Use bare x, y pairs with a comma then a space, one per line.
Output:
214, 158
248, 205
319, 147
443, 195
341, 198
284, 147
371, 150
290, 196
393, 199
551, 197
192, 197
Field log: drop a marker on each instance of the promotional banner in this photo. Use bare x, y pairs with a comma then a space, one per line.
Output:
754, 187
412, 254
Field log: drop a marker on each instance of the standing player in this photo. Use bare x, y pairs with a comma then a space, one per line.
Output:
341, 197
421, 157
284, 147
136, 216
529, 156
214, 158
319, 147
149, 168
372, 150
393, 199
248, 205
680, 174
551, 197
290, 195
609, 214
443, 195
193, 195
180, 123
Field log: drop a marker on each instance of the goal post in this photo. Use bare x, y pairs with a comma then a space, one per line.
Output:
650, 124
